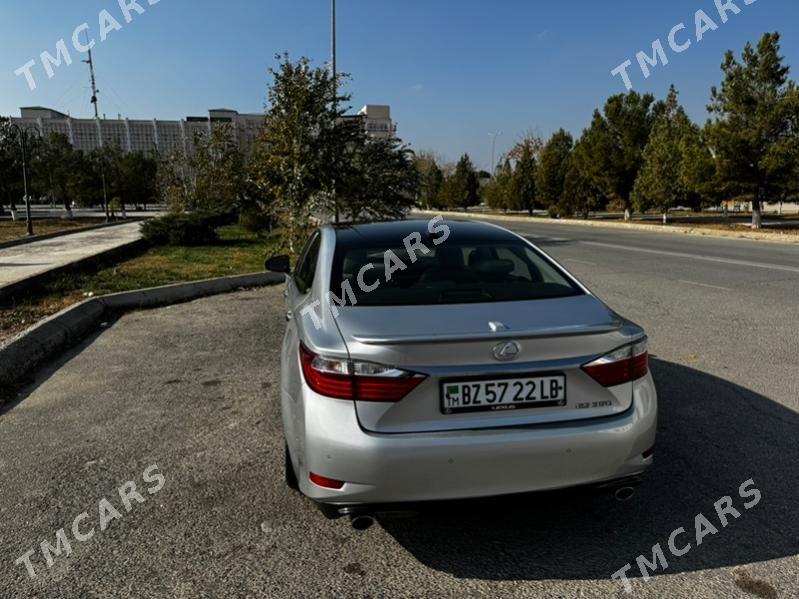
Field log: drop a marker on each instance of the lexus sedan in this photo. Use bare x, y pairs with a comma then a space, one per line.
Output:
438, 360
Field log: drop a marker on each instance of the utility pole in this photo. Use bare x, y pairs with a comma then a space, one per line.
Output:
90, 62
335, 92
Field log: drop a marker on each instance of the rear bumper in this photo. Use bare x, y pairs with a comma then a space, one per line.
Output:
407, 468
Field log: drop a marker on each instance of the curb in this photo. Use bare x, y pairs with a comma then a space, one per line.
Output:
26, 240
21, 356
676, 229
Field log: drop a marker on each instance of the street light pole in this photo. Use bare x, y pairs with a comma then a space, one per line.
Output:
335, 92
23, 142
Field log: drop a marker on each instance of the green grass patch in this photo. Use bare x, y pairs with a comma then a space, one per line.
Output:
238, 252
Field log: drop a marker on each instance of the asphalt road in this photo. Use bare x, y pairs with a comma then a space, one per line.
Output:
193, 389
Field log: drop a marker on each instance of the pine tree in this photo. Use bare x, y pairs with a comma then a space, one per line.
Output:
552, 168
523, 192
660, 183
754, 128
615, 143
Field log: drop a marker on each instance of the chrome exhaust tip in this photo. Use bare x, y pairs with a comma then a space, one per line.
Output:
623, 494
362, 522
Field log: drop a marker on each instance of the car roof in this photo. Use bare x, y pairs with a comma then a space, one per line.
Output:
392, 233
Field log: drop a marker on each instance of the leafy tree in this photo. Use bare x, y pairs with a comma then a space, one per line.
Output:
523, 191
140, 175
530, 140
175, 180
10, 167
552, 168
615, 143
218, 164
53, 168
85, 185
674, 141
305, 147
755, 123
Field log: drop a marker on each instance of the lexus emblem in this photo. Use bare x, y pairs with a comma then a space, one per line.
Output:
507, 351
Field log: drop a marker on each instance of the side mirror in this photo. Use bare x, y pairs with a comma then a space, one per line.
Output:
281, 264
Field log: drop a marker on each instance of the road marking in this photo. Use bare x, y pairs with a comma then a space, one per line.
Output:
704, 285
580, 261
695, 257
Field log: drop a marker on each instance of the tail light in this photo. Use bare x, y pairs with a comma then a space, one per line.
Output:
623, 365
362, 381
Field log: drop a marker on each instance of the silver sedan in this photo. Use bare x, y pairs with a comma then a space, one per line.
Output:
447, 360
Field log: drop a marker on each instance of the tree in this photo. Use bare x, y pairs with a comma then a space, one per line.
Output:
462, 188
384, 183
314, 160
529, 140
140, 174
302, 150
698, 172
664, 178
431, 178
53, 168
10, 167
85, 185
175, 180
615, 143
755, 123
552, 168
218, 164
523, 190
581, 194
499, 189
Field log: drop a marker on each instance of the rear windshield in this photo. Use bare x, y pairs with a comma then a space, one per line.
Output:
448, 274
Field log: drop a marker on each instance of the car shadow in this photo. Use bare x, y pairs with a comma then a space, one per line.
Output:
713, 435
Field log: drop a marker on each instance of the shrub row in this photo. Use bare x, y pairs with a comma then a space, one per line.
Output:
187, 229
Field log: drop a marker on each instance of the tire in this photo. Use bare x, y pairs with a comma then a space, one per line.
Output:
291, 476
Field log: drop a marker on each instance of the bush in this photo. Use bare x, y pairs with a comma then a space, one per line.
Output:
256, 221
182, 229
554, 211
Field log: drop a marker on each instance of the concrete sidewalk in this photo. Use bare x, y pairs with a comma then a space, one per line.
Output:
39, 257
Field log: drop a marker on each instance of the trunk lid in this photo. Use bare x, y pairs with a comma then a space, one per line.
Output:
456, 342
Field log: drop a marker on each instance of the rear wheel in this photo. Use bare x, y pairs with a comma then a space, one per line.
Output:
291, 476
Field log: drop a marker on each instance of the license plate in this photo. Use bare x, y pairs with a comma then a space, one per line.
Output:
492, 395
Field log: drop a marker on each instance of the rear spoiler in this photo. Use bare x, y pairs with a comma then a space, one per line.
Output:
564, 331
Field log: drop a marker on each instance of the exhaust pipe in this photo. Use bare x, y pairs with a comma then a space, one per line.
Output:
361, 522
623, 494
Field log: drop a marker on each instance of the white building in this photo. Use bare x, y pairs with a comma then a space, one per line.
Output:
376, 120
163, 137
155, 136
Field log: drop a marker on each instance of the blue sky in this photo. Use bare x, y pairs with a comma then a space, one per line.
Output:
453, 71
